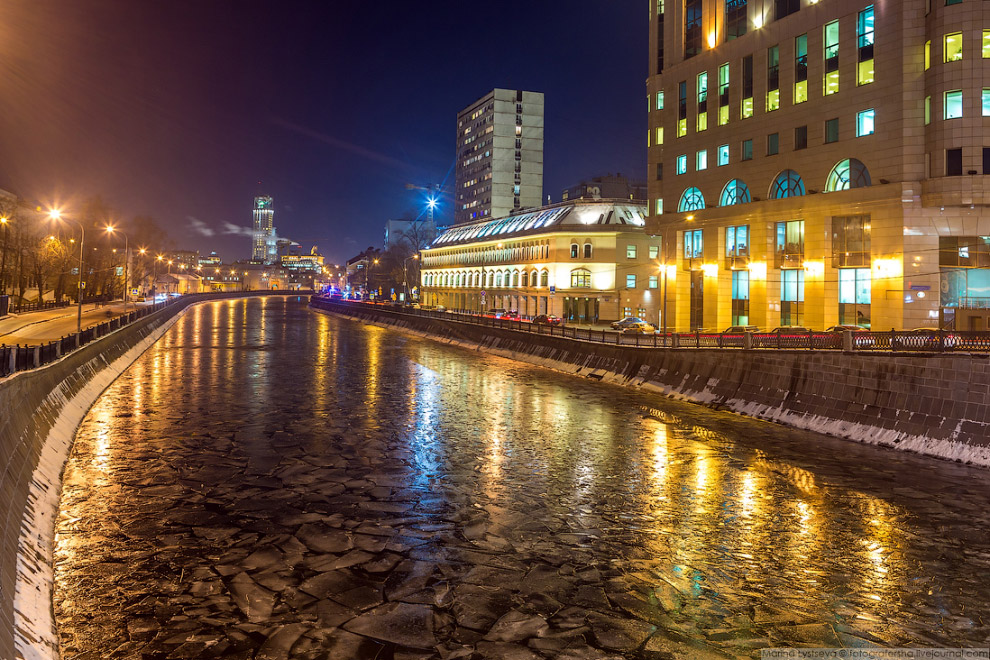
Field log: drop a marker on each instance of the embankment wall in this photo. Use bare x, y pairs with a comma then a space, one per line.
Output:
933, 404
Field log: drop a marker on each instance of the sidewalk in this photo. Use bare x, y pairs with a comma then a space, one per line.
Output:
50, 324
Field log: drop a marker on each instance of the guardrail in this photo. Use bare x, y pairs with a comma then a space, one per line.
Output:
22, 358
941, 341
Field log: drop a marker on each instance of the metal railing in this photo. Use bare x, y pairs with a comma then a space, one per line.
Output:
893, 341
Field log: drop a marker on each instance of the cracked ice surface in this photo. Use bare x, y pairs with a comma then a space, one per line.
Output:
267, 482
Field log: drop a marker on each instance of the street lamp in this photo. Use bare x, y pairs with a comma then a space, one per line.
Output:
56, 215
110, 230
405, 273
3, 262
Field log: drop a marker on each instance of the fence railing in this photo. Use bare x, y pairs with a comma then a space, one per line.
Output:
937, 341
21, 358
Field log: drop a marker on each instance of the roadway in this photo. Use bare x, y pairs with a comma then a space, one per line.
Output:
41, 327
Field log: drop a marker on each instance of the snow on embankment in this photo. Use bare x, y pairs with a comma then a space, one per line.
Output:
928, 404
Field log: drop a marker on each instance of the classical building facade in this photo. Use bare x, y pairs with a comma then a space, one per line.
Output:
499, 158
815, 162
586, 261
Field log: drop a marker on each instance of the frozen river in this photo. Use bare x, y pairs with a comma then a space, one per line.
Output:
270, 482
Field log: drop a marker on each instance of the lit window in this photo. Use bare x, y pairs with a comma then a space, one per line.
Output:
580, 279
630, 252
654, 251
864, 71
928, 55
737, 241
682, 164
928, 110
691, 200
735, 192
986, 44
682, 108
723, 155
952, 47
953, 104
659, 100
701, 160
986, 102
864, 122
831, 56
723, 95
747, 87
653, 281
659, 138
630, 281
659, 207
801, 69
787, 184
702, 101
693, 244
773, 78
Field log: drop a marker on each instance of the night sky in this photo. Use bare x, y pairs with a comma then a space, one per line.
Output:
178, 109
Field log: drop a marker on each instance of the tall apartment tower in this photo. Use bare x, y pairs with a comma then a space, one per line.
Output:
499, 155
821, 162
263, 246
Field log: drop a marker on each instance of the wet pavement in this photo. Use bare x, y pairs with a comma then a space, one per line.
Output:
269, 482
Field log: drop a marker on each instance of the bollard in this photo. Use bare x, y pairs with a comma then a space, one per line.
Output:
847, 340
747, 340
37, 356
675, 341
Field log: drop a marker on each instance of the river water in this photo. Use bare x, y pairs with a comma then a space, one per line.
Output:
271, 482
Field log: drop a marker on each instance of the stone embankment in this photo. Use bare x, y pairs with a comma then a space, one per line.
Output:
41, 410
933, 404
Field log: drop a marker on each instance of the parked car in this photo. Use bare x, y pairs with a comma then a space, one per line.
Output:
860, 340
547, 319
790, 330
639, 328
440, 308
626, 322
740, 329
511, 314
927, 338
496, 313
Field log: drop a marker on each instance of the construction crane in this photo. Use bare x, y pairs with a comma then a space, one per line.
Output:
433, 193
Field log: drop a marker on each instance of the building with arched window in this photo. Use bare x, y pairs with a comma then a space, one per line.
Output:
587, 261
856, 126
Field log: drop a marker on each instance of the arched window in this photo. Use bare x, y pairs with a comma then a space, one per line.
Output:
534, 279
848, 173
735, 192
581, 278
691, 200
787, 184
545, 278
587, 250
525, 279
498, 278
515, 278
574, 250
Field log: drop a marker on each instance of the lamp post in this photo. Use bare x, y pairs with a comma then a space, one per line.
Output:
405, 273
3, 263
110, 230
373, 263
56, 215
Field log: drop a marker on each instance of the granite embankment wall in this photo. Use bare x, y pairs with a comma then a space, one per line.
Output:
39, 413
934, 404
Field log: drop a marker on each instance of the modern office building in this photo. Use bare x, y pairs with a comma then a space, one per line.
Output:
816, 162
585, 261
499, 167
264, 247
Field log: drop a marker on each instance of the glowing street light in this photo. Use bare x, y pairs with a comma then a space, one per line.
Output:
55, 215
3, 260
110, 230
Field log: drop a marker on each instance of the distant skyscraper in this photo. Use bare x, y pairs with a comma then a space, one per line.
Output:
499, 155
264, 246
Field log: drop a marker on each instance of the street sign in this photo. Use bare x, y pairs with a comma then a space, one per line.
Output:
553, 289
921, 287
134, 292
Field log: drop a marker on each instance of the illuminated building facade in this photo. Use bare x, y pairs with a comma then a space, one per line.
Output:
499, 160
586, 261
817, 162
264, 247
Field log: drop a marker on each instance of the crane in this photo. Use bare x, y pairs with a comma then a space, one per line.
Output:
433, 192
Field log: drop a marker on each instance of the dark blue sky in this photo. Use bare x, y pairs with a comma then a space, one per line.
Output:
178, 109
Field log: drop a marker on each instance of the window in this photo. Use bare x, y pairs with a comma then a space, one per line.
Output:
953, 104
682, 108
734, 192
544, 278
952, 2
952, 47
660, 100
581, 278
782, 8
790, 243
723, 95
846, 174
692, 28
524, 282
702, 101
701, 160
854, 290
986, 44
928, 55
654, 251
660, 206
773, 144
737, 241
630, 252
747, 150
851, 240
986, 102
928, 110
864, 122
986, 160
791, 296
801, 68
831, 130
691, 200
631, 281
587, 250
735, 19
740, 297
681, 164
787, 184
659, 171
747, 87
574, 250
693, 244
653, 281
773, 78
953, 162
723, 155
831, 56
800, 138
865, 34
659, 136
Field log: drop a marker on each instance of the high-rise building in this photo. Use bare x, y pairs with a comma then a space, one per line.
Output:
499, 155
264, 245
821, 162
